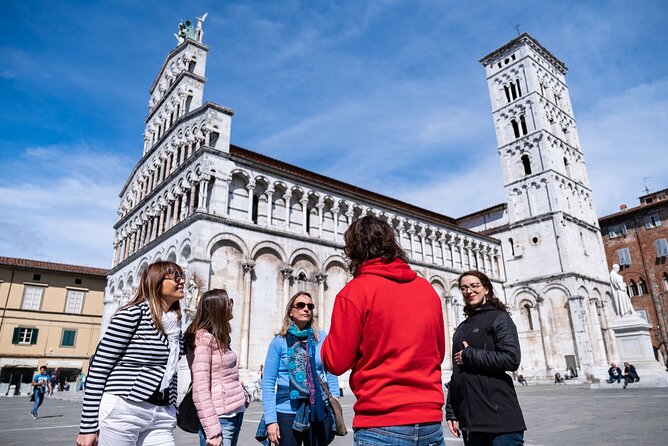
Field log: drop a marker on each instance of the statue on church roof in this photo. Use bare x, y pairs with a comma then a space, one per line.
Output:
188, 31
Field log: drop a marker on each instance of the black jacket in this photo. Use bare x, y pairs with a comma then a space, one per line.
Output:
481, 396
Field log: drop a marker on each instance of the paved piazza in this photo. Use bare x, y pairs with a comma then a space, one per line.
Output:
564, 415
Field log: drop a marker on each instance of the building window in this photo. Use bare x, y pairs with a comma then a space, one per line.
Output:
527, 164
642, 287
32, 298
527, 308
69, 336
255, 208
516, 128
25, 336
617, 230
74, 301
523, 123
519, 90
507, 92
512, 246
661, 248
37, 277
624, 257
634, 288
652, 221
665, 281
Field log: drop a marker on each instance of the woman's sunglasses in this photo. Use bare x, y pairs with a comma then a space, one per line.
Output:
301, 305
176, 276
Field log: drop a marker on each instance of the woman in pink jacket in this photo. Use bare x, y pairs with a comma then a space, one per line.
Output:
217, 392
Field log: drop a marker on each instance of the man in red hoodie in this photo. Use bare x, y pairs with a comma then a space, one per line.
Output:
387, 326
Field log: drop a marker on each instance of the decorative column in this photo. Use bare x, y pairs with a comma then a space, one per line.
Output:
545, 334
286, 272
449, 330
287, 197
610, 339
335, 215
411, 236
191, 204
203, 195
270, 205
320, 278
245, 314
602, 360
422, 234
320, 206
432, 237
304, 202
441, 244
251, 189
582, 340
400, 231
183, 206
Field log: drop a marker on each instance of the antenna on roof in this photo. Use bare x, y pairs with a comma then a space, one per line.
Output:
517, 28
644, 182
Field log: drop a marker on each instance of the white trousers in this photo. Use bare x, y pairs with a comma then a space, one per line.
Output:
126, 423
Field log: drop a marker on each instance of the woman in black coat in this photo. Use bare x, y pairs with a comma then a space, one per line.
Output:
482, 403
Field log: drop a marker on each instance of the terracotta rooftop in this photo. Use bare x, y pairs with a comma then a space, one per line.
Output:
51, 266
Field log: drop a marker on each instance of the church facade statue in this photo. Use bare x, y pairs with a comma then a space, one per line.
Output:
621, 297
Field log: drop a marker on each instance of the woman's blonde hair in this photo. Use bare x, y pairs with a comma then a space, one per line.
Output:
150, 290
287, 320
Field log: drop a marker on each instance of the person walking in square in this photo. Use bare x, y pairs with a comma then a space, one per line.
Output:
387, 326
132, 383
217, 392
482, 405
41, 386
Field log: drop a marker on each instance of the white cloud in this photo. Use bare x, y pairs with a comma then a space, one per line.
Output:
624, 140
60, 204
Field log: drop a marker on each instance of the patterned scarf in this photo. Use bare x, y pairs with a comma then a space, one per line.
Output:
172, 329
301, 370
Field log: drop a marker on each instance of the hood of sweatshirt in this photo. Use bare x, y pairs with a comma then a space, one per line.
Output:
396, 270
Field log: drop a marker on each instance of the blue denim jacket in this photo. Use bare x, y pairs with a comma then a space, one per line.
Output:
300, 424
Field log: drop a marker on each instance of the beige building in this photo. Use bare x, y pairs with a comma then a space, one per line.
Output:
51, 316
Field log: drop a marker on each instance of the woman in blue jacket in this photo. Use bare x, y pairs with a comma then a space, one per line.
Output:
295, 412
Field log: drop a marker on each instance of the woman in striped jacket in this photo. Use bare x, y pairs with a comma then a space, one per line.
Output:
217, 392
132, 381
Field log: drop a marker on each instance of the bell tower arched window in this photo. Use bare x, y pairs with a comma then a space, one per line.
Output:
516, 128
526, 163
527, 312
524, 125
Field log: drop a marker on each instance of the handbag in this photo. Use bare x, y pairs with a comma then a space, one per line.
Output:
335, 407
187, 419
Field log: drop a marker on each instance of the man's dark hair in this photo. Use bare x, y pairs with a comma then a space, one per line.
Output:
370, 238
491, 298
42, 367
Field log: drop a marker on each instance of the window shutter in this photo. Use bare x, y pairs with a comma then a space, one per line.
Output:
33, 339
16, 335
661, 248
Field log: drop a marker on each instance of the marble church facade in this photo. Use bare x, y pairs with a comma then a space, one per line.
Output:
260, 228
263, 229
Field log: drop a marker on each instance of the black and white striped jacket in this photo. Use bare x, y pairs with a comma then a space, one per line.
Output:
129, 361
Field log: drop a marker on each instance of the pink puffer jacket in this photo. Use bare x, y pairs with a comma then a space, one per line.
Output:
215, 378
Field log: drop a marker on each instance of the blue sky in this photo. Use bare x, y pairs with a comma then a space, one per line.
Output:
387, 95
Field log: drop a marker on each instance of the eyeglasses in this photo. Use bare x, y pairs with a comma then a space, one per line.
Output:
177, 276
301, 305
472, 287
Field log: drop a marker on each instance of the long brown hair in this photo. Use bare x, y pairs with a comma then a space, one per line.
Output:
369, 238
287, 320
491, 298
214, 312
150, 290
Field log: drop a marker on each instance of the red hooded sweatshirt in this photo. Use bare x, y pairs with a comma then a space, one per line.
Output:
387, 326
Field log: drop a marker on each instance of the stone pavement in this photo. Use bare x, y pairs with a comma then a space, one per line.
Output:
555, 415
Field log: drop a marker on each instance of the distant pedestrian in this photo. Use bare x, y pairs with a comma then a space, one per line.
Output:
630, 374
41, 386
521, 380
482, 403
614, 373
82, 382
131, 386
558, 379
387, 326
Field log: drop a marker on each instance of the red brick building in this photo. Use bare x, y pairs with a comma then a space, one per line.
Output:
636, 239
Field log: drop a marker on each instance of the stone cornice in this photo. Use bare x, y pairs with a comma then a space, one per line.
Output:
177, 83
530, 41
